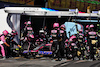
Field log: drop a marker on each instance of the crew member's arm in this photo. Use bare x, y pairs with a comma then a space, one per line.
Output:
77, 28
4, 41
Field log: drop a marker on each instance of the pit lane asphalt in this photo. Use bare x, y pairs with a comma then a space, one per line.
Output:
79, 63
23, 62
46, 62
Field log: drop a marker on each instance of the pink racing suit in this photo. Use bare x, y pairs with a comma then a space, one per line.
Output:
2, 48
4, 41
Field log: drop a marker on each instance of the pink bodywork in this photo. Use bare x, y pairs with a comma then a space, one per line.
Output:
48, 44
81, 12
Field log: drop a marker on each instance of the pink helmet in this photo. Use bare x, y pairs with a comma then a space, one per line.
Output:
14, 32
66, 40
55, 25
62, 26
70, 39
91, 26
28, 23
87, 26
37, 40
41, 40
80, 30
73, 44
25, 23
73, 37
5, 32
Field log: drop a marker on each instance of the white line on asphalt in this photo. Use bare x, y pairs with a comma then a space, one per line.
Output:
80, 61
64, 64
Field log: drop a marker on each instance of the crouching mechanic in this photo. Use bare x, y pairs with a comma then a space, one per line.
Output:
12, 36
12, 42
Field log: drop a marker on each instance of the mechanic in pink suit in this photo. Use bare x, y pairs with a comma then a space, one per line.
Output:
5, 44
2, 39
2, 49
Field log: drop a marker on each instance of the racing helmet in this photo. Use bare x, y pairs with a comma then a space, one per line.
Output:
73, 37
55, 25
87, 26
91, 26
66, 40
41, 31
5, 32
80, 30
25, 23
14, 32
28, 23
62, 26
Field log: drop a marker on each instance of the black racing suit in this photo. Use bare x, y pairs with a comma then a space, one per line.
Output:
81, 44
92, 36
55, 45
62, 39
